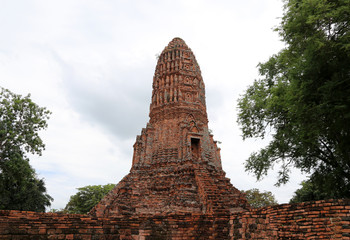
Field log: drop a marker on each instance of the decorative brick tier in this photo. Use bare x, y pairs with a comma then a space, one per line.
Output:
176, 165
312, 220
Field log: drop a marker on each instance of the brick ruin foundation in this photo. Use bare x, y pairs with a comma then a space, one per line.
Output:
312, 220
176, 187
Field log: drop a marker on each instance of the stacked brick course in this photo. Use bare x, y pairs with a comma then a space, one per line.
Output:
176, 166
30, 225
311, 220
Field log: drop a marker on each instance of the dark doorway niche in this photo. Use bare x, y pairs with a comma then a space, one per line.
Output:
195, 148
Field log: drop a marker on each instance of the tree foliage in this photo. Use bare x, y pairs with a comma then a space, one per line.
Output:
87, 197
309, 192
20, 121
303, 98
259, 199
20, 187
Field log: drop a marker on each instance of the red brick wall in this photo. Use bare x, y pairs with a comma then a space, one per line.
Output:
312, 220
31, 225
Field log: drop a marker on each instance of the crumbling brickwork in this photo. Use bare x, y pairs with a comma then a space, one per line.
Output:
309, 220
31, 225
176, 165
312, 220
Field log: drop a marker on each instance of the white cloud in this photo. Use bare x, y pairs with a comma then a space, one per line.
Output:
92, 63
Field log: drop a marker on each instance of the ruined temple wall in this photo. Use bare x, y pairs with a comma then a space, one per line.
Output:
311, 220
31, 225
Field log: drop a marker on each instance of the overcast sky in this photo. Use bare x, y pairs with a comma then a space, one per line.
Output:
91, 62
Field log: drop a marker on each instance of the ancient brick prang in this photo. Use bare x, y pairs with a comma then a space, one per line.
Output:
176, 166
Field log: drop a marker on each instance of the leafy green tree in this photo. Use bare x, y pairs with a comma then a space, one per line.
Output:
303, 98
87, 197
60, 210
259, 199
20, 188
309, 192
20, 122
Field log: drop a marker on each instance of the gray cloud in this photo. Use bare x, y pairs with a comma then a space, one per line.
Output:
118, 103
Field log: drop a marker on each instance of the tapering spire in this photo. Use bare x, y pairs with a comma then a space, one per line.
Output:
176, 165
177, 81
176, 43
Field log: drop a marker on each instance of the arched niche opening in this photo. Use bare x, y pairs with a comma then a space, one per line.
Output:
195, 148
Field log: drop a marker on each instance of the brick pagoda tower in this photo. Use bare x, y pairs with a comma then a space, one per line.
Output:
176, 167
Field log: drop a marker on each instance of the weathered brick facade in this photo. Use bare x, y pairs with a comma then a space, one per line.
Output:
176, 165
312, 220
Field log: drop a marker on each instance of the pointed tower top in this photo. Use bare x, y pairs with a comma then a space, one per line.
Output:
176, 43
177, 82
